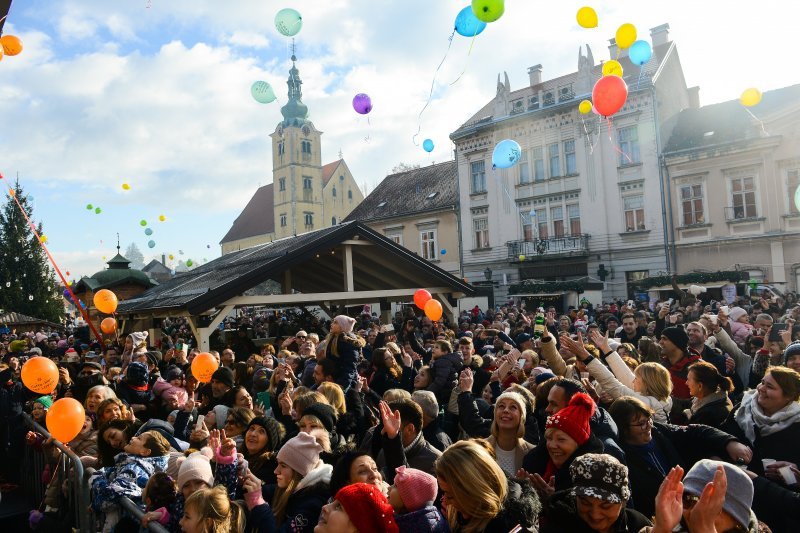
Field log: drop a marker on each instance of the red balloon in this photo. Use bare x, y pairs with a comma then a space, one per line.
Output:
421, 297
609, 95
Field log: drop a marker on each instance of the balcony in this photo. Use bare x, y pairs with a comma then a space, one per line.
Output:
570, 245
741, 213
566, 93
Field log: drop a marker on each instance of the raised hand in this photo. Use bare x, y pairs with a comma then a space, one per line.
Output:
391, 420
669, 502
227, 445
466, 380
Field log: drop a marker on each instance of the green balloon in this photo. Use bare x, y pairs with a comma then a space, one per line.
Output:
288, 22
189, 263
488, 10
98, 210
142, 222
262, 92
89, 207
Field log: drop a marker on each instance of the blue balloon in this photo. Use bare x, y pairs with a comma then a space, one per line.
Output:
640, 53
151, 244
467, 24
148, 231
427, 145
506, 154
444, 252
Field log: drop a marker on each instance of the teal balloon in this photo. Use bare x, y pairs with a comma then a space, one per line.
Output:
148, 232
288, 22
262, 92
151, 244
427, 145
506, 154
640, 52
467, 24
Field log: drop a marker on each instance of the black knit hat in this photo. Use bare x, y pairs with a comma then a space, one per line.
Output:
275, 431
324, 412
173, 372
677, 335
792, 350
224, 375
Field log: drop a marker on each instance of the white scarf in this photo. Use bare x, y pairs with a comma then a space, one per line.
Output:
749, 416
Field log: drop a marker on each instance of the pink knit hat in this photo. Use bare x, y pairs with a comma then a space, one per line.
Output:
417, 488
301, 453
345, 322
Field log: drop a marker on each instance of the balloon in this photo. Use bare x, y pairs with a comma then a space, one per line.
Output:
126, 187
488, 10
162, 218
171, 257
65, 419
288, 22
433, 309
421, 297
11, 44
40, 375
43, 239
1, 53
262, 92
105, 301
640, 53
97, 210
612, 68
108, 325
522, 258
427, 145
506, 154
143, 222
189, 263
609, 95
626, 35
151, 244
587, 17
89, 207
203, 366
362, 103
443, 252
148, 231
585, 107
467, 24
750, 97
208, 246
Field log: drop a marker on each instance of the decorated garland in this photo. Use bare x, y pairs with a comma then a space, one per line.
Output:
536, 287
733, 276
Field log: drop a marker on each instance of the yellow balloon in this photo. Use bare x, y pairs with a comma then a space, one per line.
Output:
43, 239
750, 97
626, 35
612, 68
162, 218
587, 17
126, 187
171, 257
585, 107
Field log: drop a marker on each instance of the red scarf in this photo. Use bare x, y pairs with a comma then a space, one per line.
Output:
550, 471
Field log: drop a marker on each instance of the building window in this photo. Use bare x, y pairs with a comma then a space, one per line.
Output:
309, 219
307, 183
744, 197
397, 238
634, 212
280, 148
333, 221
541, 219
427, 241
281, 184
629, 146
538, 164
555, 160
480, 228
283, 220
574, 214
478, 177
793, 180
569, 157
333, 191
350, 194
305, 147
557, 214
692, 205
524, 168
528, 220
341, 177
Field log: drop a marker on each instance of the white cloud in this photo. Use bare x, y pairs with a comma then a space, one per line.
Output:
248, 39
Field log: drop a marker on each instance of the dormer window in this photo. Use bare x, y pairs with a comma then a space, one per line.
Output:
549, 98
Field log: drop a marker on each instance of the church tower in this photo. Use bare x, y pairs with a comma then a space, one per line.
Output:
296, 166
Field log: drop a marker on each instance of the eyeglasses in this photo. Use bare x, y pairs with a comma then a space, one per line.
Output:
644, 424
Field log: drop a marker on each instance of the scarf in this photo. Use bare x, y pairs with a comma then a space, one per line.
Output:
749, 416
698, 404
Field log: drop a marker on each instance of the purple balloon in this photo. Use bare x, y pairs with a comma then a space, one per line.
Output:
362, 104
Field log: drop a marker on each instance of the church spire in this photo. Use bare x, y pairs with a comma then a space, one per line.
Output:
295, 111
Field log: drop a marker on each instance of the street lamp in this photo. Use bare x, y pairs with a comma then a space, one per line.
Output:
488, 274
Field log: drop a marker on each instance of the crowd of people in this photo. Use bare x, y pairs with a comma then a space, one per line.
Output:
683, 416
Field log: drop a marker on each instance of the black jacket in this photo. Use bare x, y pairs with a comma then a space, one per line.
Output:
521, 507
781, 446
436, 437
536, 461
560, 514
776, 505
713, 414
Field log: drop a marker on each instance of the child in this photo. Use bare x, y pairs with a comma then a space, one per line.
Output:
158, 494
212, 510
144, 455
412, 497
445, 368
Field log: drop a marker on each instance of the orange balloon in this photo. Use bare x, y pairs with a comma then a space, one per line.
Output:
108, 325
421, 297
11, 44
203, 366
40, 375
105, 301
65, 419
433, 309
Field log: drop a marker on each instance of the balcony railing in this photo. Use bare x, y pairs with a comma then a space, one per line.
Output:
741, 212
553, 246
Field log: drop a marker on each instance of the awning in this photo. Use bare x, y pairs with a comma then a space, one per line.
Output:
685, 286
540, 294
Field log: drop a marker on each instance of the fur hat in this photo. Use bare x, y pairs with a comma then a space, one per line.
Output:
417, 488
301, 453
367, 508
574, 418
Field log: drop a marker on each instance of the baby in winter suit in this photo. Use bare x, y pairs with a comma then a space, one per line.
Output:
412, 497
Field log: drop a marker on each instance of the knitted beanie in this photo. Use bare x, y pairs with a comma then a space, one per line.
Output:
793, 350
195, 467
47, 401
417, 488
367, 508
345, 322
139, 340
677, 335
301, 453
739, 497
736, 313
574, 418
275, 431
223, 375
324, 413
137, 373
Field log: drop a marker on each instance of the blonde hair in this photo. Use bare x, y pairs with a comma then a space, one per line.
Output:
393, 348
394, 395
333, 392
477, 485
533, 355
518, 399
655, 379
281, 498
304, 401
218, 513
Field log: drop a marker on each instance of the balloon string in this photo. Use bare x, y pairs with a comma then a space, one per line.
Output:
757, 120
616, 148
430, 95
467, 60
588, 140
639, 81
13, 195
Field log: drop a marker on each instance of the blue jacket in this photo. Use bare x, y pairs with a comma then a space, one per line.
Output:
427, 519
348, 348
127, 478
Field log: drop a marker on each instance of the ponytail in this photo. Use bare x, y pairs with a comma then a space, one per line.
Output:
724, 383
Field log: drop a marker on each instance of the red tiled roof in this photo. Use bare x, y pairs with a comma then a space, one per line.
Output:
257, 218
328, 170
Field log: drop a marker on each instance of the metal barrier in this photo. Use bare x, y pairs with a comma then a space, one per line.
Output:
137, 513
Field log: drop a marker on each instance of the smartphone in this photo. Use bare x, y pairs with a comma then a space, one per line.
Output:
200, 420
521, 363
263, 399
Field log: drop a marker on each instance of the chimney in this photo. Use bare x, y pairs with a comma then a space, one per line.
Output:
535, 74
659, 35
694, 97
614, 51
163, 259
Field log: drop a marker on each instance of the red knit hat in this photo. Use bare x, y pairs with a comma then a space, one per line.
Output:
367, 508
574, 418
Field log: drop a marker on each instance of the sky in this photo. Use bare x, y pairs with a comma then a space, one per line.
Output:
156, 94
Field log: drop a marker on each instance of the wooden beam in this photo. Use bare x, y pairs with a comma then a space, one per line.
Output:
349, 285
221, 316
270, 299
287, 282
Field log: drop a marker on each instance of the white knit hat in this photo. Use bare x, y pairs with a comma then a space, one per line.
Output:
195, 467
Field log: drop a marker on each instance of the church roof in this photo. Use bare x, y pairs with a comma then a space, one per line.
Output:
727, 122
329, 169
257, 217
419, 190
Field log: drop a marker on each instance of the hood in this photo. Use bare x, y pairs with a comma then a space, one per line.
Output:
321, 474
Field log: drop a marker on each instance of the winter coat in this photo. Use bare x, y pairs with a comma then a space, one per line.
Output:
521, 507
127, 478
776, 505
382, 380
560, 514
428, 519
536, 461
344, 350
419, 454
303, 508
444, 376
85, 444
740, 331
713, 410
435, 436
